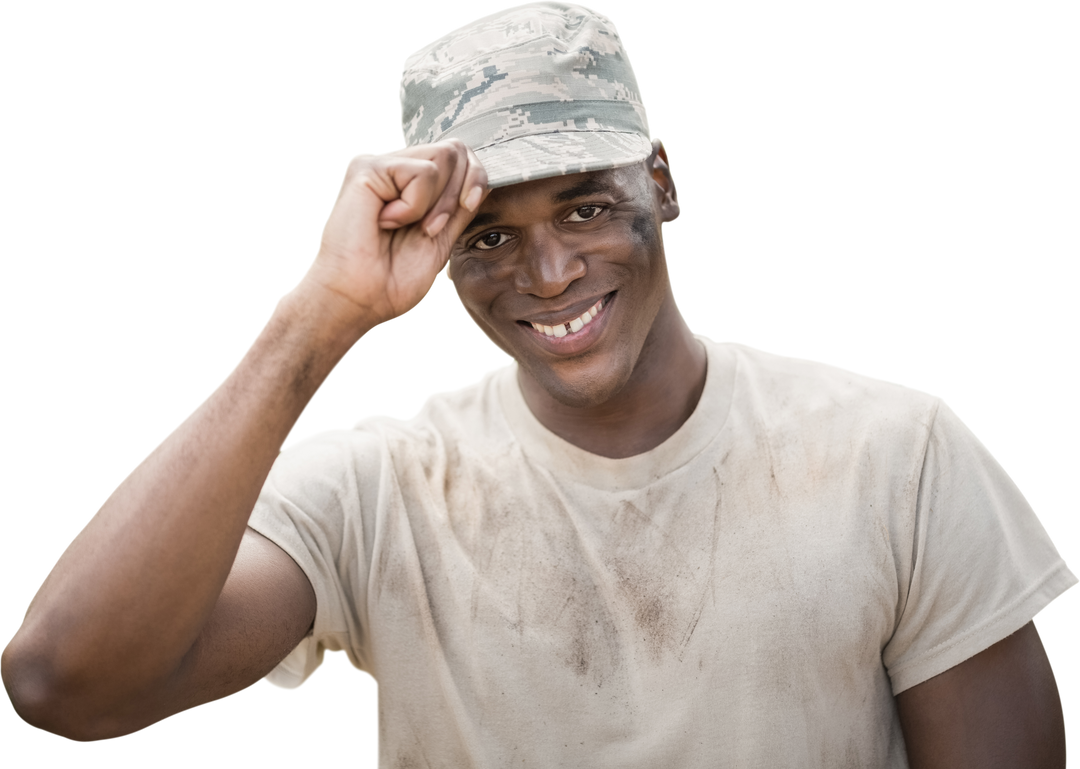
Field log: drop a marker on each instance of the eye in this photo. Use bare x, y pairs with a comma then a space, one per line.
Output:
584, 213
490, 240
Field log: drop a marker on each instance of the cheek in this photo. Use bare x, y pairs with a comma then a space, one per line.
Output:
477, 288
645, 231
646, 270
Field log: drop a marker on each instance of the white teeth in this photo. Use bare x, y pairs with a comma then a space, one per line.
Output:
575, 325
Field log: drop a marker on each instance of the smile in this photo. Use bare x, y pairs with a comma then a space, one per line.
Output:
575, 335
571, 326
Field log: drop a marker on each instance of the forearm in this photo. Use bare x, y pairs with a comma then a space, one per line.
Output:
129, 597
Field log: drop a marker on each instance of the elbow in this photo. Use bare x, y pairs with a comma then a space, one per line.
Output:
56, 716
49, 701
29, 687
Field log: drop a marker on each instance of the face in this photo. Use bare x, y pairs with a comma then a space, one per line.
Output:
567, 275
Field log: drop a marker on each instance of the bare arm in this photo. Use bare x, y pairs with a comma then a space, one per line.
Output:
113, 623
140, 617
998, 709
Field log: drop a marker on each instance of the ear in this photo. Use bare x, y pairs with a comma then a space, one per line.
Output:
664, 190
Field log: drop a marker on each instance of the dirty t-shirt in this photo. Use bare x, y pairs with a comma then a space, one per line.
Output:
750, 593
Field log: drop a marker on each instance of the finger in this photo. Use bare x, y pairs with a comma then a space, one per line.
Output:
411, 185
474, 192
473, 189
454, 158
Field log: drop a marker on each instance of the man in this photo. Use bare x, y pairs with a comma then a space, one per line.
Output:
636, 547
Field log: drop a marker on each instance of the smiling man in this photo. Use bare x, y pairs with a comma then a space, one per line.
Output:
635, 547
567, 275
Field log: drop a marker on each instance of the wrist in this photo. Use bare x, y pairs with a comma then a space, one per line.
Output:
327, 320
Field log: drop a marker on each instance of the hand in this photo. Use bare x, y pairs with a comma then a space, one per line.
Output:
393, 225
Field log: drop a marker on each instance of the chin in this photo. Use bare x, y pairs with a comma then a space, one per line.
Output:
585, 386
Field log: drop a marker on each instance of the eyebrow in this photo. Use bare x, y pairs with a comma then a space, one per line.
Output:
591, 186
480, 220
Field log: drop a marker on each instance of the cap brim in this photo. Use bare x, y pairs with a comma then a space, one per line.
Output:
541, 156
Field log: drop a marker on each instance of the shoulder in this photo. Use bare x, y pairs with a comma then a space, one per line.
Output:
779, 391
458, 414
472, 417
783, 377
449, 426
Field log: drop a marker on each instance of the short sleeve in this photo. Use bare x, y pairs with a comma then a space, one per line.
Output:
982, 565
311, 507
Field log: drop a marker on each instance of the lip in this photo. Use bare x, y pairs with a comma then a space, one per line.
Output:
572, 343
566, 314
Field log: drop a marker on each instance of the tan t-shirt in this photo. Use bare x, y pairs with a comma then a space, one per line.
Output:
750, 593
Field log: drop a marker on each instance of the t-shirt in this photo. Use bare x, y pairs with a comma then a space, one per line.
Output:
750, 593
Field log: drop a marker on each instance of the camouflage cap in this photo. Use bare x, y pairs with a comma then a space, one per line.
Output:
537, 91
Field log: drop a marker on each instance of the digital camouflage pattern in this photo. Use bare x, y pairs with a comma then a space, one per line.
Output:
537, 91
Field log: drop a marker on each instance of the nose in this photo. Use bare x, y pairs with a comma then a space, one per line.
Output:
547, 266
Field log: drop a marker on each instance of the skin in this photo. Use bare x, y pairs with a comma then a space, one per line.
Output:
634, 374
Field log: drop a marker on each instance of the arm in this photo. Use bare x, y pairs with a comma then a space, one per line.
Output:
156, 606
998, 709
109, 636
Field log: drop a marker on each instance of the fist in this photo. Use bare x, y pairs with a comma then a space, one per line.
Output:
393, 225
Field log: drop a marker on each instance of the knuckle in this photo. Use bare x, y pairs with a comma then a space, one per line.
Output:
365, 160
448, 150
427, 169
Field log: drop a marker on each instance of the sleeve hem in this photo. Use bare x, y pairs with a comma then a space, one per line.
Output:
998, 626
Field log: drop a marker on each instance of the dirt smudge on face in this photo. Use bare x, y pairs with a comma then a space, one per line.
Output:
644, 228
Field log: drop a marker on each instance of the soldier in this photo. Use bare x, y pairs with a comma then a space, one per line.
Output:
634, 547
